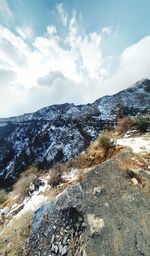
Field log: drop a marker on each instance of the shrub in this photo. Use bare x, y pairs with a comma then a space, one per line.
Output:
55, 176
142, 123
3, 196
22, 186
124, 124
106, 141
14, 235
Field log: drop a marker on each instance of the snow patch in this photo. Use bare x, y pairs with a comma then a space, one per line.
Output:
33, 203
140, 144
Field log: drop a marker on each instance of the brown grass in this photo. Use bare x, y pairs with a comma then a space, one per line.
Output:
22, 186
107, 142
94, 155
124, 125
14, 235
3, 196
56, 176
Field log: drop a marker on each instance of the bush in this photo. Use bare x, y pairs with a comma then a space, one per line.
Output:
124, 124
142, 123
3, 196
22, 186
106, 141
14, 235
55, 176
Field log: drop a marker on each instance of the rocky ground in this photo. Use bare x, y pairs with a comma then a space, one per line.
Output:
82, 214
105, 214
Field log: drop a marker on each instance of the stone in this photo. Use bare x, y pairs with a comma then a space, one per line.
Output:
96, 224
121, 229
98, 191
65, 240
64, 250
52, 239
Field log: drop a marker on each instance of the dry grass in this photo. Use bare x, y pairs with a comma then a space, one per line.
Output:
124, 124
131, 168
14, 235
3, 196
56, 176
54, 191
107, 142
91, 158
139, 161
22, 186
94, 155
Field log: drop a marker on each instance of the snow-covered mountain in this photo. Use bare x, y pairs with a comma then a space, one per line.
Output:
60, 132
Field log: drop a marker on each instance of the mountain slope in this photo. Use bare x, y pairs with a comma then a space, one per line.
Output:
59, 132
105, 214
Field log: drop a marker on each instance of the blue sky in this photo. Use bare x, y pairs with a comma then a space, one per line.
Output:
130, 18
70, 51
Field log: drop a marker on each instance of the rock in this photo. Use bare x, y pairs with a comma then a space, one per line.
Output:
96, 224
98, 191
52, 239
54, 248
64, 250
120, 229
107, 205
65, 240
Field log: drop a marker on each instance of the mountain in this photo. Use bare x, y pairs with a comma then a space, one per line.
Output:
60, 132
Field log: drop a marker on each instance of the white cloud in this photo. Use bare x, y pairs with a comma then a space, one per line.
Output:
50, 78
106, 30
55, 69
91, 54
7, 75
13, 50
134, 65
25, 32
5, 12
51, 30
62, 13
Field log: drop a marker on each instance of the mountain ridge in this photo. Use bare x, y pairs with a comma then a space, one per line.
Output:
60, 132
137, 84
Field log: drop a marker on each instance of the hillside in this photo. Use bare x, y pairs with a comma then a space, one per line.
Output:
60, 132
105, 214
97, 202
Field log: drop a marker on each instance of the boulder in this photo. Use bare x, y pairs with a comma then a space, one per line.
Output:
105, 214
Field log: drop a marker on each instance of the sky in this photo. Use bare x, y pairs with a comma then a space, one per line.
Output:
74, 51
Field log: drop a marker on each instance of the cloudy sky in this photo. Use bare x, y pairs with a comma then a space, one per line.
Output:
70, 51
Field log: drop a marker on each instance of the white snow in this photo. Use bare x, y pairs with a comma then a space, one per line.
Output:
33, 203
53, 127
139, 144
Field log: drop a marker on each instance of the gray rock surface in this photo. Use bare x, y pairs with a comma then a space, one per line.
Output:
83, 221
60, 132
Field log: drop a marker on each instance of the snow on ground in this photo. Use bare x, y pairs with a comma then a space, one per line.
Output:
33, 203
36, 199
139, 144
